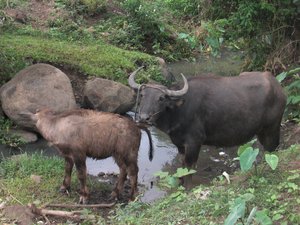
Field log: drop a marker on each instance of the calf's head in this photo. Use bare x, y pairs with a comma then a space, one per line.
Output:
34, 117
155, 99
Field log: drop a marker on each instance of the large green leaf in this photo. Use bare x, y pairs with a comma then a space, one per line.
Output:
281, 76
294, 84
247, 158
172, 182
272, 160
262, 218
293, 99
181, 172
161, 174
243, 147
236, 213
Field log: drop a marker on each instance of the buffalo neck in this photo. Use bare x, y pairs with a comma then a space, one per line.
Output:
46, 127
168, 121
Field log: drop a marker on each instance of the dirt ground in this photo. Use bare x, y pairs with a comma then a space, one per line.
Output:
39, 13
290, 134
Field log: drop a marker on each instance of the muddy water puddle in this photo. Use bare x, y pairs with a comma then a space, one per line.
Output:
212, 162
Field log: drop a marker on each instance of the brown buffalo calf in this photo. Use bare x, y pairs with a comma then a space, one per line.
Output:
80, 133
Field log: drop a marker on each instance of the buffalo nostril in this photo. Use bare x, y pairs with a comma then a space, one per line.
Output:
144, 118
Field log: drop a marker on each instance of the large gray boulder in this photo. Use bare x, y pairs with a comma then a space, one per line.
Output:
109, 96
35, 87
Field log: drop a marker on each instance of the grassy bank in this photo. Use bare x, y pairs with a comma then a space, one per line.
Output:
97, 59
274, 194
36, 179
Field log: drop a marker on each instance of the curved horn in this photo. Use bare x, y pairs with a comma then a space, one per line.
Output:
131, 81
179, 92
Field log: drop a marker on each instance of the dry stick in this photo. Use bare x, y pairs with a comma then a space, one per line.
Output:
83, 206
60, 213
44, 212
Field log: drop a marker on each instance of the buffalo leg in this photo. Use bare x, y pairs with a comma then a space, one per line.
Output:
269, 137
121, 179
81, 173
69, 163
181, 151
133, 176
190, 159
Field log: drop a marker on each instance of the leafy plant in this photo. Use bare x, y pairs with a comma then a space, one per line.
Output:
172, 181
190, 39
148, 26
185, 8
238, 212
214, 35
272, 160
86, 7
247, 156
291, 79
258, 26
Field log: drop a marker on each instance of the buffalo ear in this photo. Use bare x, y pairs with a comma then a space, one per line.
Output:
179, 102
176, 102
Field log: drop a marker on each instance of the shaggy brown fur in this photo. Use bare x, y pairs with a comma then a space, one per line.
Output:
80, 133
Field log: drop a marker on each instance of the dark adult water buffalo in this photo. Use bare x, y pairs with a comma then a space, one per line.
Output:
213, 110
80, 133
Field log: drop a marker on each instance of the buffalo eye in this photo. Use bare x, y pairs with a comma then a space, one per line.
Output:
161, 98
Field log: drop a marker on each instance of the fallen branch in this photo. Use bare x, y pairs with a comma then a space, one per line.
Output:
109, 205
44, 212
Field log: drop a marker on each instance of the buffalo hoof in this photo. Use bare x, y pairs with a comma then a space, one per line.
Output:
180, 181
83, 200
114, 196
133, 198
186, 182
64, 190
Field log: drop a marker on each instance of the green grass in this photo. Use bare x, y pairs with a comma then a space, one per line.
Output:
16, 182
92, 58
25, 165
275, 192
